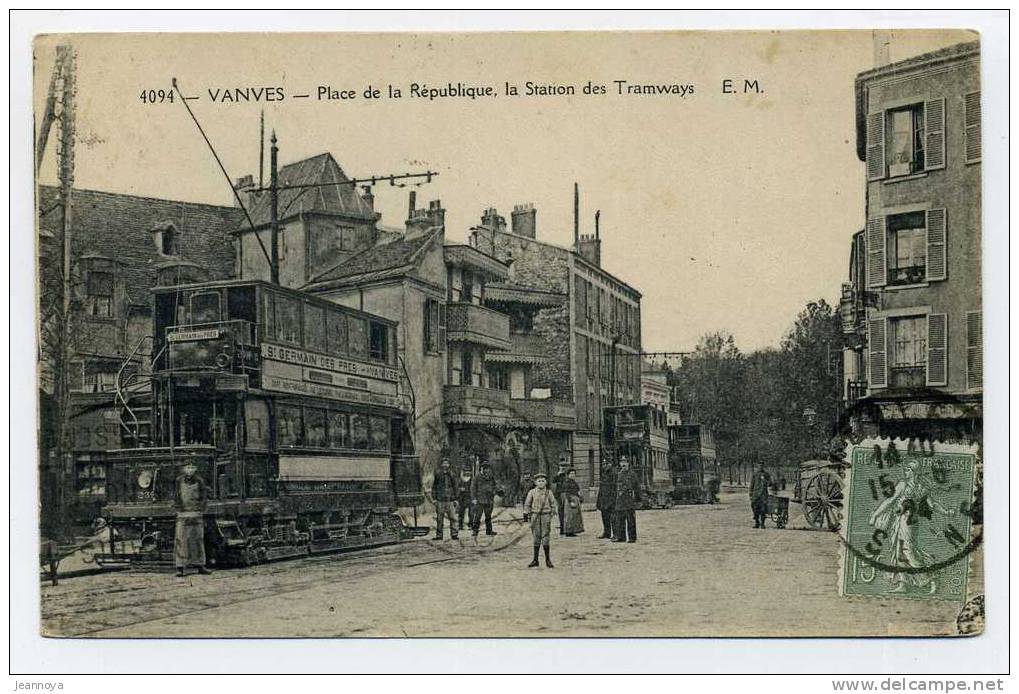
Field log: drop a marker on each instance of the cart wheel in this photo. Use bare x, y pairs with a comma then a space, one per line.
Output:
822, 501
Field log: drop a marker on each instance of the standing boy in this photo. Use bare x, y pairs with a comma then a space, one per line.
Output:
539, 509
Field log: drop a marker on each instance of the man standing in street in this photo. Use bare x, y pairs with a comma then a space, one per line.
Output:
483, 491
627, 497
559, 483
189, 534
463, 496
444, 491
606, 500
759, 485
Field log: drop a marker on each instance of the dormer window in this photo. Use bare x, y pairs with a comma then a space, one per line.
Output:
100, 294
165, 237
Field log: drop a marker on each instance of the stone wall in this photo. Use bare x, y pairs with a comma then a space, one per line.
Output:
545, 267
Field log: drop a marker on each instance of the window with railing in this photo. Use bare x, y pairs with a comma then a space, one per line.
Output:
908, 359
907, 248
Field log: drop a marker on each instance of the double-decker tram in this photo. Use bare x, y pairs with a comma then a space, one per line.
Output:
639, 433
290, 408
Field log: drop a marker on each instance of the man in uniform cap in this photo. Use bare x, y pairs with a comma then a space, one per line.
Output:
627, 497
759, 495
483, 491
559, 484
606, 501
444, 491
189, 534
464, 494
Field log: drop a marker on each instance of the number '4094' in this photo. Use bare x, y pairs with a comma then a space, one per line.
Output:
156, 96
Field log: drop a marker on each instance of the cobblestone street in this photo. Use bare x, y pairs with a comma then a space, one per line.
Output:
696, 571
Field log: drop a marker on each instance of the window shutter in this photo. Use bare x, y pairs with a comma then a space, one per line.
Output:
972, 119
974, 350
878, 352
937, 349
441, 316
877, 271
426, 338
936, 234
934, 134
876, 146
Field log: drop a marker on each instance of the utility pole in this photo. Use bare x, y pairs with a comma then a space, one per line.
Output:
55, 330
261, 147
274, 261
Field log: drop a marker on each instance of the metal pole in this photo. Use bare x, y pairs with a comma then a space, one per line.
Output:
612, 381
261, 147
274, 213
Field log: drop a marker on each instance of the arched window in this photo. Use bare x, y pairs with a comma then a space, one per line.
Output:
164, 234
168, 241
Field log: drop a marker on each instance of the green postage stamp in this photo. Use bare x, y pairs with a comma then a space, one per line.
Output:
911, 520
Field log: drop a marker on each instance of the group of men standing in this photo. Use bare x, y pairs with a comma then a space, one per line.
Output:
466, 494
618, 497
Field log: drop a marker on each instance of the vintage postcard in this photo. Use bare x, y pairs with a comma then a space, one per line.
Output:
547, 334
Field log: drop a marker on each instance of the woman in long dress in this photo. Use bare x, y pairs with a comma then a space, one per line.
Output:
573, 522
900, 515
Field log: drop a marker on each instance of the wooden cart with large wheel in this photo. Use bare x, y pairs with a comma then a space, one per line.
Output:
820, 491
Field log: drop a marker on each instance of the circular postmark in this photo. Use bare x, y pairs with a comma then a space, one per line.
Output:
910, 517
971, 617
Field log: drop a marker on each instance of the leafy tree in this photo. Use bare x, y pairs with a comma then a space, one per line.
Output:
755, 403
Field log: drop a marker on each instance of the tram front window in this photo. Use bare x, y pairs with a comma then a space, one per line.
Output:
205, 423
205, 308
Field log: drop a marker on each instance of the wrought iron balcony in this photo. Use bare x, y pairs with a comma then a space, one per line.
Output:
855, 390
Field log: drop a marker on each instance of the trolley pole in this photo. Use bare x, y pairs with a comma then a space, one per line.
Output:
274, 261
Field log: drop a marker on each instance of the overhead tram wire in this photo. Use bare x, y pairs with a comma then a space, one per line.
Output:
370, 180
222, 168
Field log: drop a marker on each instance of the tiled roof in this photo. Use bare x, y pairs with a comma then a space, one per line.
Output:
322, 168
377, 262
119, 226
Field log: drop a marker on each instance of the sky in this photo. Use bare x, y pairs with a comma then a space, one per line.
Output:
727, 211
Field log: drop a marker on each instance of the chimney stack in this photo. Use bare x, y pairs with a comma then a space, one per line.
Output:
524, 220
882, 47
368, 197
493, 220
422, 221
412, 203
589, 245
243, 185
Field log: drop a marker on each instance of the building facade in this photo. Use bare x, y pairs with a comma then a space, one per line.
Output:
654, 386
912, 308
472, 350
320, 225
121, 247
594, 336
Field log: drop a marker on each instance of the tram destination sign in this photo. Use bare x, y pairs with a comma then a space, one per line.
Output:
326, 362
